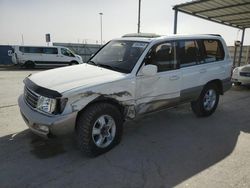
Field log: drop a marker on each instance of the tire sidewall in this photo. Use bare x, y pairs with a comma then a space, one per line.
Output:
204, 91
101, 109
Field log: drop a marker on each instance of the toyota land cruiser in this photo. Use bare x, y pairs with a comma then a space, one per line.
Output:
126, 78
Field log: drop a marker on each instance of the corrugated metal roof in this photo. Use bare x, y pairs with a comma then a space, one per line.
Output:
235, 13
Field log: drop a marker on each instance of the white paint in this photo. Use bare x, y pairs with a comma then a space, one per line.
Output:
21, 58
242, 79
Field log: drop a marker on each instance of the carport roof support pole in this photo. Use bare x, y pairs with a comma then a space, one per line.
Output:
175, 20
241, 46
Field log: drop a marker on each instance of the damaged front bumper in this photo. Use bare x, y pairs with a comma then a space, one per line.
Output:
45, 125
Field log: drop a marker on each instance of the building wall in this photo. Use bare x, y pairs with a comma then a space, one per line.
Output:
84, 50
245, 59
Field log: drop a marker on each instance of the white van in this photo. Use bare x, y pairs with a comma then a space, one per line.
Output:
31, 56
128, 77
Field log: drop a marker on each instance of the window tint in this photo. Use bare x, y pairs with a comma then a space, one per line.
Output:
66, 52
188, 53
50, 51
213, 51
30, 49
164, 56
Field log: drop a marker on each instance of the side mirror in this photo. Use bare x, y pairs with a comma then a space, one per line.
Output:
149, 70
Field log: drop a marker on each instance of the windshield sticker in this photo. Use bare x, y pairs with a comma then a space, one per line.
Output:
139, 45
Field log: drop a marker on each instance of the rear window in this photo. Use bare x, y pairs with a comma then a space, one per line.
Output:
213, 51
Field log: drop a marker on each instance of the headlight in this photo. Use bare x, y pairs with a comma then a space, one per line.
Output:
47, 105
235, 70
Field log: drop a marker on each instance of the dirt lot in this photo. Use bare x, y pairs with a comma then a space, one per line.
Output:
165, 149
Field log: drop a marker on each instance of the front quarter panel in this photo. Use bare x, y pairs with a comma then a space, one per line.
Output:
122, 91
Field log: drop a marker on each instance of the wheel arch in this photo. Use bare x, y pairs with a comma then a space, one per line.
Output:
74, 62
219, 85
103, 99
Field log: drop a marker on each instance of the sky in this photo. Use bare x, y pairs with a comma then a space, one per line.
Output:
78, 21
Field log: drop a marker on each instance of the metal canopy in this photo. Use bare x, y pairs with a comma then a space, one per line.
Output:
234, 13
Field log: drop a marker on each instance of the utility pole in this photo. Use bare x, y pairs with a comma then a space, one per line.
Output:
139, 17
101, 24
22, 40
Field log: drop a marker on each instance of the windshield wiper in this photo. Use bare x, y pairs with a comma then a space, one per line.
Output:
109, 67
92, 62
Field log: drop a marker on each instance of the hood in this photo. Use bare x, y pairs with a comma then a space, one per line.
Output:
245, 68
67, 78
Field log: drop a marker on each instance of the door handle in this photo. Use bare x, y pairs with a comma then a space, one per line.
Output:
174, 77
203, 70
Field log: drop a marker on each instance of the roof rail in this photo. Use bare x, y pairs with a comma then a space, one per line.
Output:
218, 35
143, 35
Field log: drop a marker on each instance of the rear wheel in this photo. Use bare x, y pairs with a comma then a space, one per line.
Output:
29, 65
207, 102
98, 129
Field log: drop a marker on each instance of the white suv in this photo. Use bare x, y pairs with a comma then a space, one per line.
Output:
128, 77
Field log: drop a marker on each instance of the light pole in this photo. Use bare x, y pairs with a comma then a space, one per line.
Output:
101, 25
139, 17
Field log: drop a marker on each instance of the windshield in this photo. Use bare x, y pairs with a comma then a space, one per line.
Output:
119, 55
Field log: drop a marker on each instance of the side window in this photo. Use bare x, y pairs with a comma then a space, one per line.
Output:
35, 50
213, 51
21, 49
50, 51
30, 49
66, 52
164, 56
188, 53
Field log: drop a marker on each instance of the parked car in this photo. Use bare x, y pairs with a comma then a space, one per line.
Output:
127, 78
31, 56
241, 75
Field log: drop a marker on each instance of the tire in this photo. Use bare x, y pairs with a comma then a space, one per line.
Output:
29, 65
73, 63
207, 102
93, 134
237, 83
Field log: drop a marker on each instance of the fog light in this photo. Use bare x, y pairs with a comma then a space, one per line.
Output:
42, 128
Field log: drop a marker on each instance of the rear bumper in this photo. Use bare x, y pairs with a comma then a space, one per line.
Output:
44, 125
227, 84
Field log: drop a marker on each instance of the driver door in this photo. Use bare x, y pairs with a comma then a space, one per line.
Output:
162, 89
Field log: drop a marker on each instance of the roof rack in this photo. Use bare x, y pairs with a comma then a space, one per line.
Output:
142, 35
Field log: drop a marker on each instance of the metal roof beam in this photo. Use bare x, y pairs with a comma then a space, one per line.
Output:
239, 23
231, 14
211, 19
220, 8
238, 19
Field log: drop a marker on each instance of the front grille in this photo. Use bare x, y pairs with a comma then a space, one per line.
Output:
30, 97
247, 74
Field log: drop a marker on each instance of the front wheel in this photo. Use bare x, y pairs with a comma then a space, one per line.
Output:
98, 129
207, 102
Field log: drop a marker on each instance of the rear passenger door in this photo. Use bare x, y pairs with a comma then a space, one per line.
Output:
189, 57
214, 60
162, 89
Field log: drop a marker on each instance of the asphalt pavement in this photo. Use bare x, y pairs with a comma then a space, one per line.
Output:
171, 148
